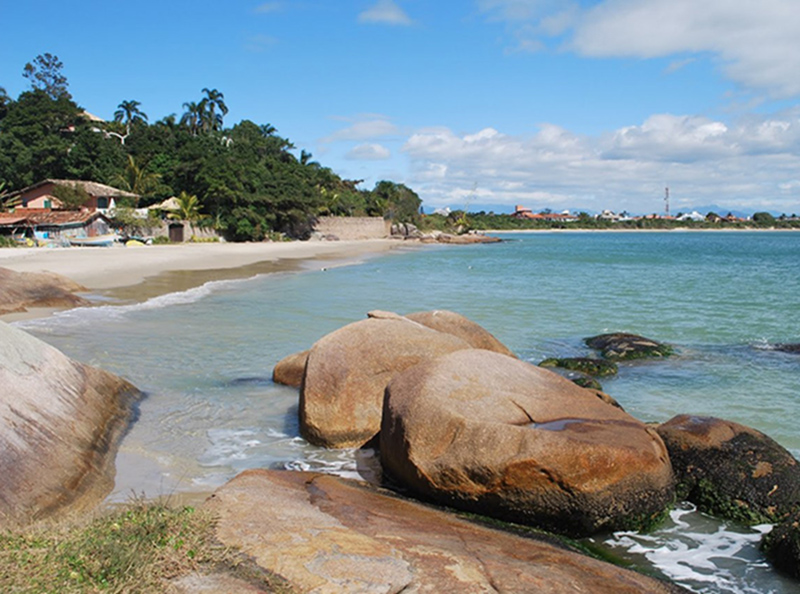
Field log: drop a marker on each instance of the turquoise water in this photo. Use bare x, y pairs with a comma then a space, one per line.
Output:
205, 357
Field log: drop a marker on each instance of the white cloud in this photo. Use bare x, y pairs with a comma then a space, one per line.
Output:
368, 127
672, 138
749, 163
368, 152
756, 43
269, 7
385, 12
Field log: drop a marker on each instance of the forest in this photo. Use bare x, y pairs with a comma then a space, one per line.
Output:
244, 180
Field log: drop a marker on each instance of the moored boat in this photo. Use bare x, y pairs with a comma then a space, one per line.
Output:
96, 241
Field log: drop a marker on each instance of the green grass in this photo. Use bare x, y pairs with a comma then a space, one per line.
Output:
134, 550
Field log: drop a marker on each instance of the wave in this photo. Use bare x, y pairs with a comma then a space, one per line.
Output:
91, 313
700, 554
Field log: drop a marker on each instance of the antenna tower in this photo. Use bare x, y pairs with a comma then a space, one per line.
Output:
666, 202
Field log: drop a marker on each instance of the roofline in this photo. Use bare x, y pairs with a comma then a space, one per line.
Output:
56, 182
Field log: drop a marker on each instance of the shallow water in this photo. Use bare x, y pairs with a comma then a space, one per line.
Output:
205, 357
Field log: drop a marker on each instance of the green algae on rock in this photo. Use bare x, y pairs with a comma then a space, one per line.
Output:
620, 346
587, 365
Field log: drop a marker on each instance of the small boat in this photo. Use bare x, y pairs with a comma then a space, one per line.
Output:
96, 241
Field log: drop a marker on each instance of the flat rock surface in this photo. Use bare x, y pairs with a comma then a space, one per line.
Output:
329, 535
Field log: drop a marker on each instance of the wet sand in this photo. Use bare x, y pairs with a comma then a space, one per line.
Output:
132, 274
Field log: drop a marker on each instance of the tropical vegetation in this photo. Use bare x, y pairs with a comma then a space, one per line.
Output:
245, 179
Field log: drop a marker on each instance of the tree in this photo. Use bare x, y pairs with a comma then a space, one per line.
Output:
395, 201
129, 112
71, 196
192, 118
213, 100
135, 179
4, 101
45, 75
763, 218
188, 209
37, 136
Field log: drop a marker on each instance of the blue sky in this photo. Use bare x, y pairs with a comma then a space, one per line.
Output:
478, 103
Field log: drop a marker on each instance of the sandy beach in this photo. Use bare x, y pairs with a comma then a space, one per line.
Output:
138, 273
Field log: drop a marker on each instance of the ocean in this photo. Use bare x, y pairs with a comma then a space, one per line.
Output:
205, 356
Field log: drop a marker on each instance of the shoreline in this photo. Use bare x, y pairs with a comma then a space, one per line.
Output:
675, 230
135, 274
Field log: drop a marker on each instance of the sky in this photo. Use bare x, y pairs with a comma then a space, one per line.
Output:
474, 104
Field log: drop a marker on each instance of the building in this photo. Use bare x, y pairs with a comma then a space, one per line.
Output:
54, 226
41, 195
520, 212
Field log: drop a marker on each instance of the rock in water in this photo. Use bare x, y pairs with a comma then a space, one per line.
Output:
623, 347
289, 370
347, 372
493, 435
585, 365
21, 290
325, 534
782, 545
731, 470
788, 348
60, 424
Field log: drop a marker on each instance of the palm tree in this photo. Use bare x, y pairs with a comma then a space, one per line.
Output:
135, 179
129, 112
213, 100
188, 208
193, 116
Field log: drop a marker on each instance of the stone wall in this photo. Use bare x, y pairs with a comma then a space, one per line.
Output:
346, 228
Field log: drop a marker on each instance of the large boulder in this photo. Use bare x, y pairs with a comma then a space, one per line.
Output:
782, 544
60, 423
452, 323
21, 290
619, 346
347, 372
493, 435
289, 370
731, 470
325, 534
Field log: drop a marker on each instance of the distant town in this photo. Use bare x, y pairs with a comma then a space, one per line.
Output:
526, 218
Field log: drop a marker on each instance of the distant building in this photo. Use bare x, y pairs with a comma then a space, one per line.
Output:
41, 196
608, 215
692, 216
520, 212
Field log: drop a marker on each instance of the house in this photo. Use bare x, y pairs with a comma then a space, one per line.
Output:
41, 195
520, 212
692, 216
58, 226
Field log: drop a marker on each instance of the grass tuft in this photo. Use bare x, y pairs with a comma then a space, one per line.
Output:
138, 549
